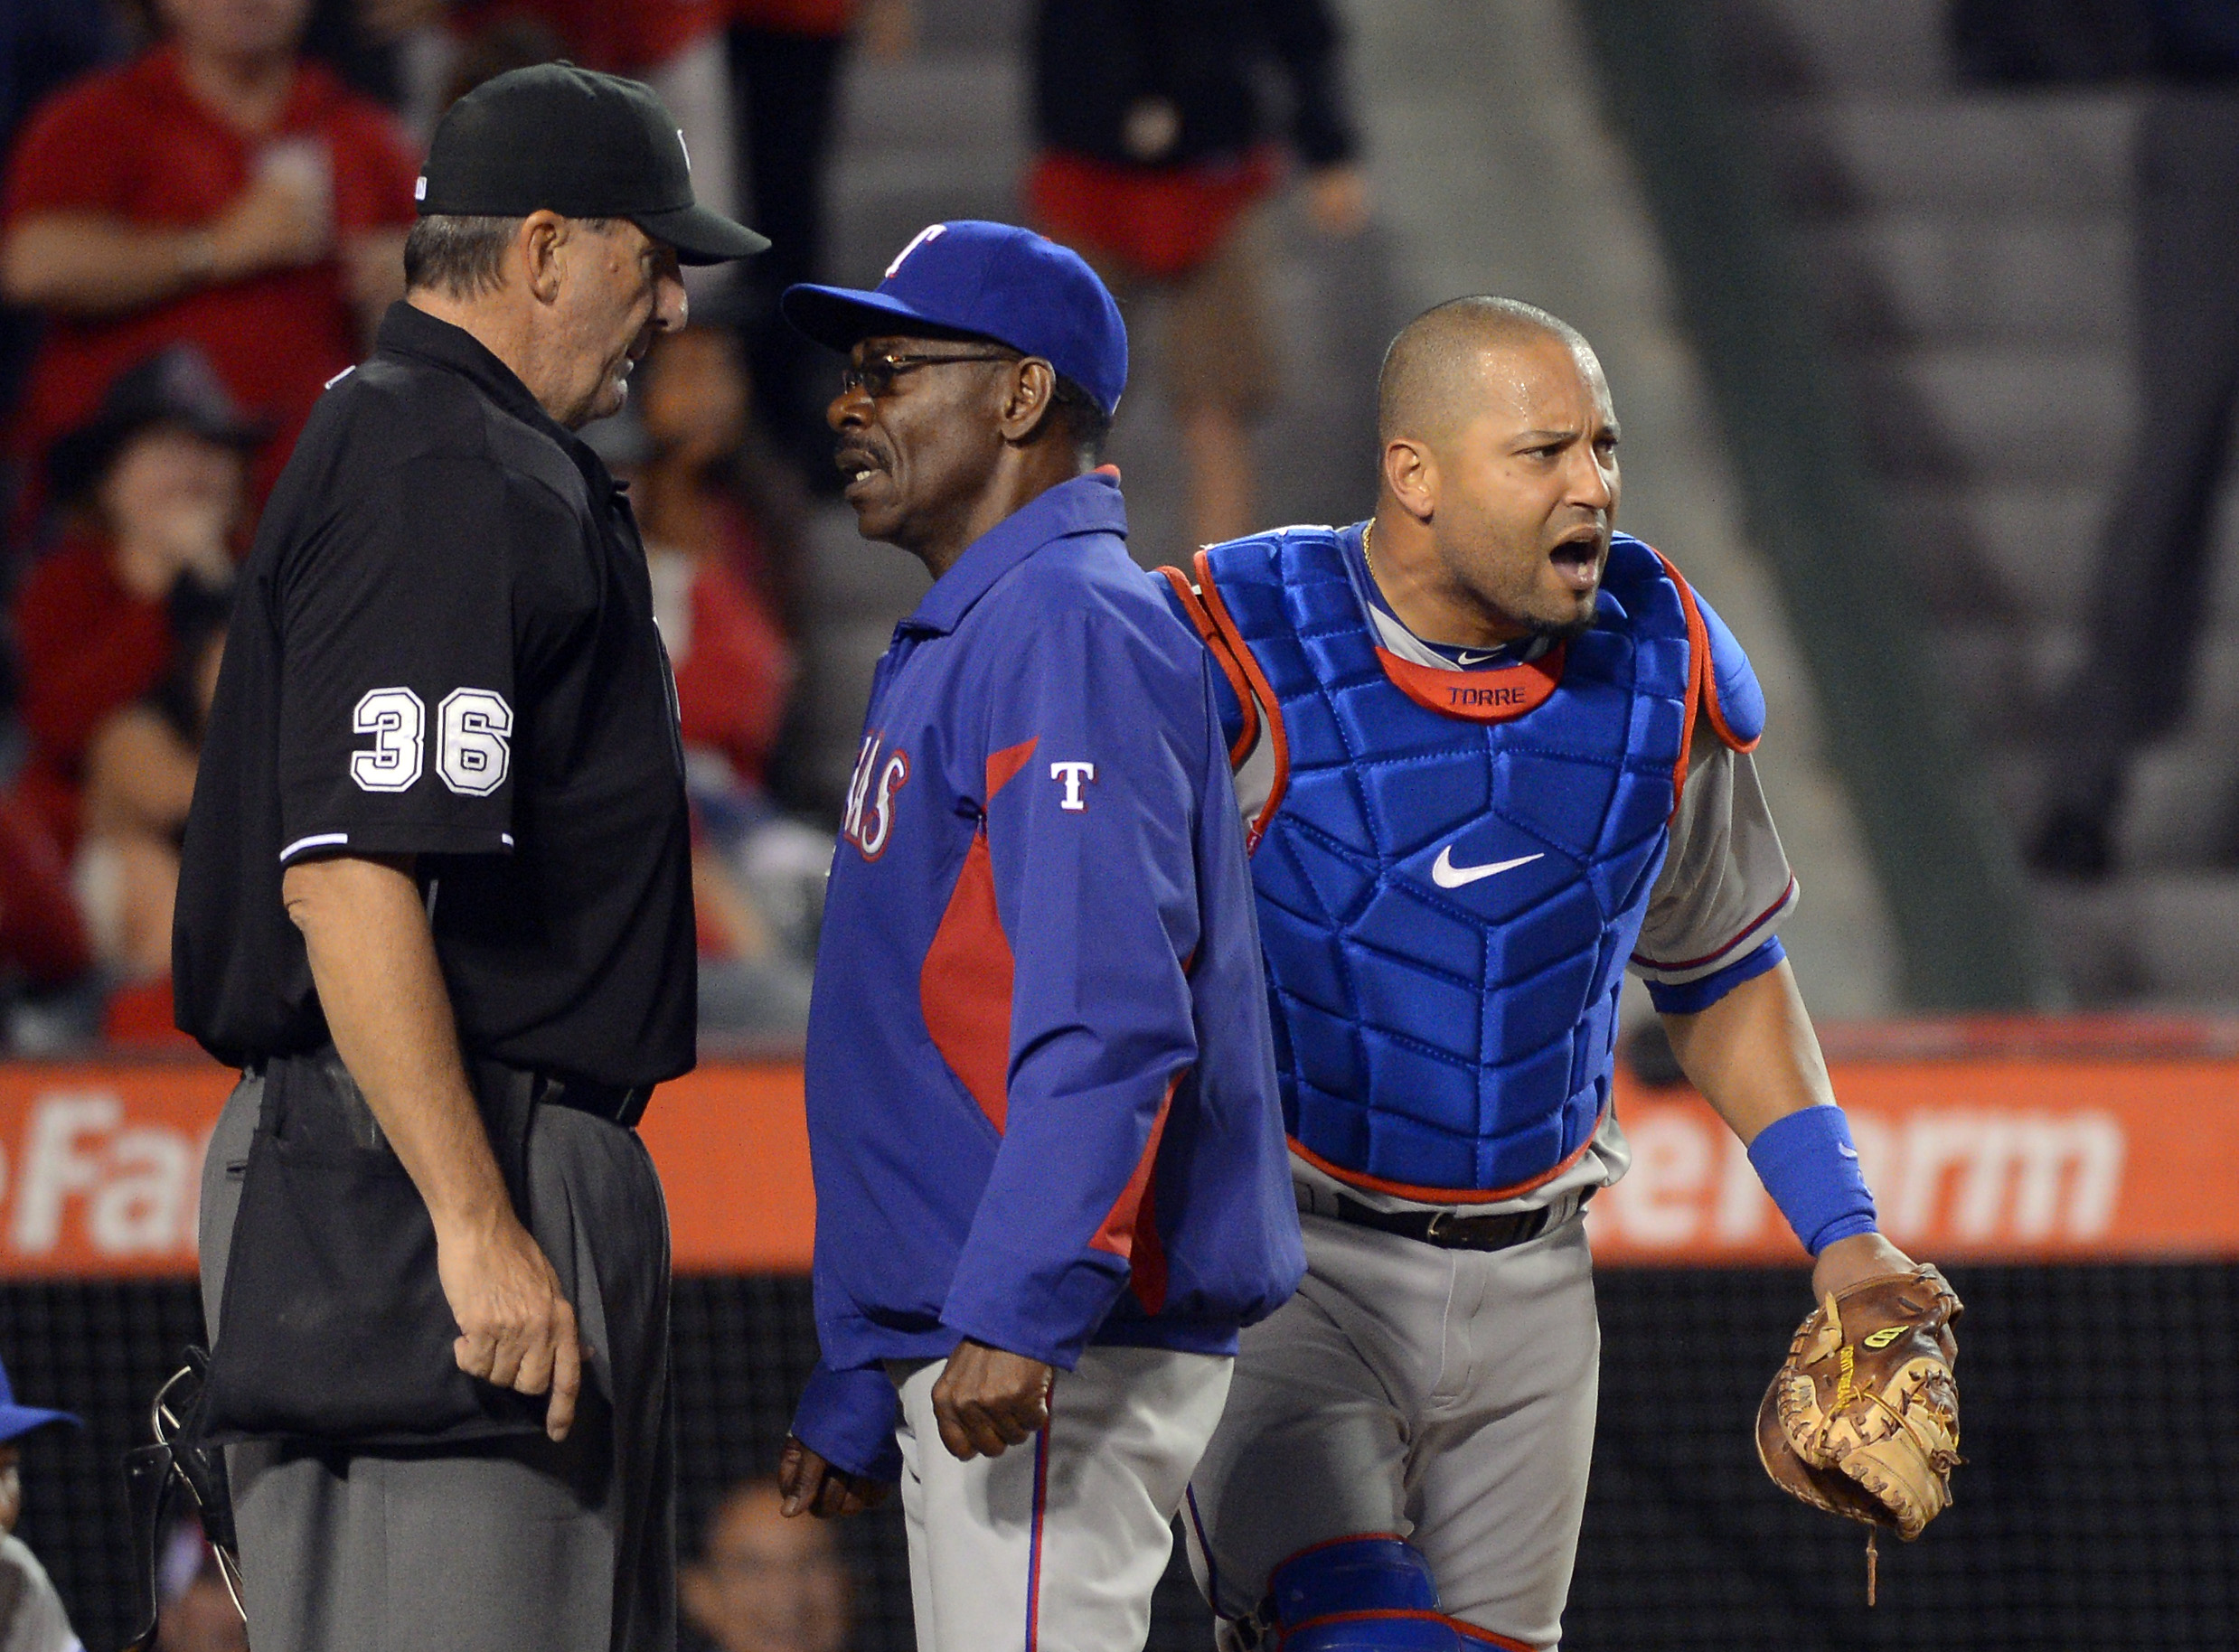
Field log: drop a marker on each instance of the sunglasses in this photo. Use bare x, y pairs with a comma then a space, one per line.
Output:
875, 375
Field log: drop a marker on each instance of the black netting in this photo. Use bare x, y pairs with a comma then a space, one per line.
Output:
2100, 1506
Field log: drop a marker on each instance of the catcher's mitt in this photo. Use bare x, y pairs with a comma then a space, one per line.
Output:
1863, 1418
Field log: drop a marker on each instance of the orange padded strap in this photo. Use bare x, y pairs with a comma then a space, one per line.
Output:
1217, 646
1711, 708
1698, 675
1241, 652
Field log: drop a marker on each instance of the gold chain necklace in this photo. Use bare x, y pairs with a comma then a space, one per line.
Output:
1368, 558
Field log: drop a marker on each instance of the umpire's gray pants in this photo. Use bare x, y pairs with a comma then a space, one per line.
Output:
522, 1545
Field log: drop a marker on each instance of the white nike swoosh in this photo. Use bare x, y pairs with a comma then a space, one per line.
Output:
1467, 659
1448, 875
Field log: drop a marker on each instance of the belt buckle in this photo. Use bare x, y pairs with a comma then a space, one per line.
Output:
1458, 1231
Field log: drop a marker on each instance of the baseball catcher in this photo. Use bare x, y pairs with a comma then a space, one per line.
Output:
1494, 754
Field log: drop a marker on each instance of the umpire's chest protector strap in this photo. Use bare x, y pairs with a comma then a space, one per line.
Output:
1452, 867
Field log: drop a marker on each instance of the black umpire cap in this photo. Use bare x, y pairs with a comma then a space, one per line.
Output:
572, 141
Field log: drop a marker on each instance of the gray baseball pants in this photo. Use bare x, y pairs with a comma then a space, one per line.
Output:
1445, 1396
515, 1547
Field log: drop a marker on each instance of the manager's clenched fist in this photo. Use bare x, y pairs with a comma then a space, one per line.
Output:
988, 1400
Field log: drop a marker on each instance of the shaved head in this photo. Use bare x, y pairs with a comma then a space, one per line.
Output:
1433, 376
1499, 474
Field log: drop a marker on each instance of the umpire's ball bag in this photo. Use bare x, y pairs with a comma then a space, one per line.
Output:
333, 1326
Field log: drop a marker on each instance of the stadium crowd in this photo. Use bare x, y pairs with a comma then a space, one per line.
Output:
200, 222
203, 214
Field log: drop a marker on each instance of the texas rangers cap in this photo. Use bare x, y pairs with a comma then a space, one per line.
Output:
992, 281
555, 137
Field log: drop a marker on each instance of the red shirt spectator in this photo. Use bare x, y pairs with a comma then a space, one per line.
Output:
152, 483
733, 669
712, 559
86, 647
140, 146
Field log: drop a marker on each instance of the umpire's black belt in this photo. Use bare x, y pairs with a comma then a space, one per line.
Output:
1444, 1228
616, 1103
613, 1103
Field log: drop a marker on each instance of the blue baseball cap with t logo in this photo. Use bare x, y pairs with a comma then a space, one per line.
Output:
988, 280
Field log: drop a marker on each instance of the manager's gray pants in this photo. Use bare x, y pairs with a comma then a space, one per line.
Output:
522, 1545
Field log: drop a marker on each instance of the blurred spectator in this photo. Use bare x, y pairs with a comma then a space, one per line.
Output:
139, 780
32, 1619
2150, 599
216, 189
193, 1612
719, 550
785, 56
42, 44
151, 488
1154, 149
716, 568
764, 1583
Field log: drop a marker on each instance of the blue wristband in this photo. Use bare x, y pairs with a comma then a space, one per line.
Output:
1810, 1165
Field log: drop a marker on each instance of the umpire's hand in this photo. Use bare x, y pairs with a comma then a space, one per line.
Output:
988, 1399
516, 1329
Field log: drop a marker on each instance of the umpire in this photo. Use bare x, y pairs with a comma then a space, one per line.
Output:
435, 903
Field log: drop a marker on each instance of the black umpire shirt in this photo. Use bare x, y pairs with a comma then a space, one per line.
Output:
444, 646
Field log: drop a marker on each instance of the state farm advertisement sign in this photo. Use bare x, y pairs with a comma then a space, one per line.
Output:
100, 1167
1970, 1160
1985, 1161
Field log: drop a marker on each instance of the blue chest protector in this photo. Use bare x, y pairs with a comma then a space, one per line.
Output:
1453, 866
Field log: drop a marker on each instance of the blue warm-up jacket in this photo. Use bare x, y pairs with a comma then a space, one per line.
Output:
1043, 1104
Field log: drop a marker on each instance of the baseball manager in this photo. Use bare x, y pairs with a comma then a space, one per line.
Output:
1050, 1181
436, 903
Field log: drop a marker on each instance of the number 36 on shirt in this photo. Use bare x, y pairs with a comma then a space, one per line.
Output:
474, 730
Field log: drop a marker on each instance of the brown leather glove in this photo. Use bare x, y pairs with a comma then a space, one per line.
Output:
1862, 1419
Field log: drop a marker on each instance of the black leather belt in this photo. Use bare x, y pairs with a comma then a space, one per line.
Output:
613, 1103
1446, 1230
616, 1103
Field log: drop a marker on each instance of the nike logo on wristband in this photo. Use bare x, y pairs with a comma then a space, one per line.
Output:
1448, 875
